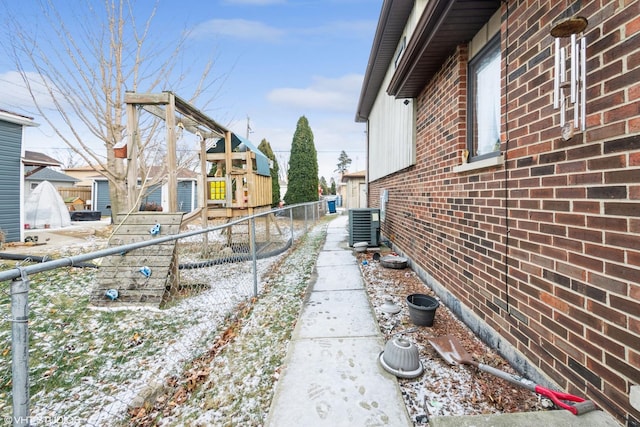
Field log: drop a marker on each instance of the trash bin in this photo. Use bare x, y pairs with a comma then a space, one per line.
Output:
332, 206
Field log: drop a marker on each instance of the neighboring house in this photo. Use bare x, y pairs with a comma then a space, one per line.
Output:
84, 174
284, 185
57, 179
11, 173
528, 230
38, 161
354, 192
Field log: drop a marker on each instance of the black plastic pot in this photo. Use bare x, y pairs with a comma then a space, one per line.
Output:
422, 309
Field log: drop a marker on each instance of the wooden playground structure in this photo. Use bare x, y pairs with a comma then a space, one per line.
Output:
235, 178
235, 181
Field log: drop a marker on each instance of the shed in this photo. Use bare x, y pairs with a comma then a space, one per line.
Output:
354, 190
11, 173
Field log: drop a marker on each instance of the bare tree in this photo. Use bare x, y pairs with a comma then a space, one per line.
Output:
68, 158
283, 162
77, 76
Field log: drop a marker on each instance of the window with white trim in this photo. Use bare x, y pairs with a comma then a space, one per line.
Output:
483, 127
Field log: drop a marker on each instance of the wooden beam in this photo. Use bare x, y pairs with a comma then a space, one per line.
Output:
180, 105
188, 123
228, 166
202, 194
147, 98
132, 157
172, 162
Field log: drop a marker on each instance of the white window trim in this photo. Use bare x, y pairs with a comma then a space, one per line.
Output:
480, 164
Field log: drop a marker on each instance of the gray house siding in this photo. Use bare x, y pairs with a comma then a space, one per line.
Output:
187, 192
10, 180
186, 195
102, 200
153, 195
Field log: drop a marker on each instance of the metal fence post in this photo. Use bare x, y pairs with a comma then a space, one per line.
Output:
293, 236
20, 349
254, 253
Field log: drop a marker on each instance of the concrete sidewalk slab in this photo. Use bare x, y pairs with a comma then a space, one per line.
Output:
337, 314
332, 278
335, 258
338, 243
331, 376
336, 382
558, 418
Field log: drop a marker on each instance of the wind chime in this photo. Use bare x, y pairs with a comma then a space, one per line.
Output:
570, 93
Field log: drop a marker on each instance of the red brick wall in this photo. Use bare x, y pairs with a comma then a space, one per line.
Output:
569, 300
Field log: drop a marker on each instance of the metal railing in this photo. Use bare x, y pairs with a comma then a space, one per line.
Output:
90, 361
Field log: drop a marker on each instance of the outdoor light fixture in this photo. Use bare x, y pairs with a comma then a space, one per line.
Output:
574, 87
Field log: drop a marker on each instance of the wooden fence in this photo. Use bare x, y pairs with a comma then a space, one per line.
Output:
76, 198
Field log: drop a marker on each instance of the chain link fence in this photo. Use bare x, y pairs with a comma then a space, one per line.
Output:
89, 337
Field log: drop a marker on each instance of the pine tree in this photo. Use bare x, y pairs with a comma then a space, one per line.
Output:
325, 187
303, 166
343, 163
265, 147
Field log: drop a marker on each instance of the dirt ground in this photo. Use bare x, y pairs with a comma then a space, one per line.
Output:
80, 233
443, 389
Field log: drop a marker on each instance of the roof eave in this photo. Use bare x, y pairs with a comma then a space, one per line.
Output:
436, 36
393, 18
17, 119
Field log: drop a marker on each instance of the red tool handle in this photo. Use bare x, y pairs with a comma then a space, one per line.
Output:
582, 406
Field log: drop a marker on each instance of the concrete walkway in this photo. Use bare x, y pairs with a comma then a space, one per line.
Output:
332, 376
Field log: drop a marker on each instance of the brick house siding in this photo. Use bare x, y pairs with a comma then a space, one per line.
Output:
541, 254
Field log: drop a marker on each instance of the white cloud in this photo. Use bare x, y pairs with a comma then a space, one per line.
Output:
343, 29
13, 92
339, 94
239, 29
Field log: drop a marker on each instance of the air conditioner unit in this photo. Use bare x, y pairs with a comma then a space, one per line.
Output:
364, 226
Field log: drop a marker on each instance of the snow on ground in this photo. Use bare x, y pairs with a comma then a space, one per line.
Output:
213, 358
88, 365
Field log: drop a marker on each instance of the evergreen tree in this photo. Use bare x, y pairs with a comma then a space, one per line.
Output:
333, 186
325, 187
303, 166
265, 147
343, 163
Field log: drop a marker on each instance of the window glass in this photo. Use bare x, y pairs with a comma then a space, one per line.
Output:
484, 114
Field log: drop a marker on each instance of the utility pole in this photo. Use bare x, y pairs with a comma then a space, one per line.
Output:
249, 127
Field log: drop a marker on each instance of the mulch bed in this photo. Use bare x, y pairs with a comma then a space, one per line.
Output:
443, 389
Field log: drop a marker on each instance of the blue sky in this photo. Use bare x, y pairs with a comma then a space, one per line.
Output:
274, 61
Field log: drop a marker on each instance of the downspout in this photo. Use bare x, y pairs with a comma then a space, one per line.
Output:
506, 159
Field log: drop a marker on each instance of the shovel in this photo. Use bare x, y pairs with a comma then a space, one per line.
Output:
451, 350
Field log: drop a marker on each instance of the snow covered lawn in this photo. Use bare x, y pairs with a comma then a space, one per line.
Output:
88, 365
